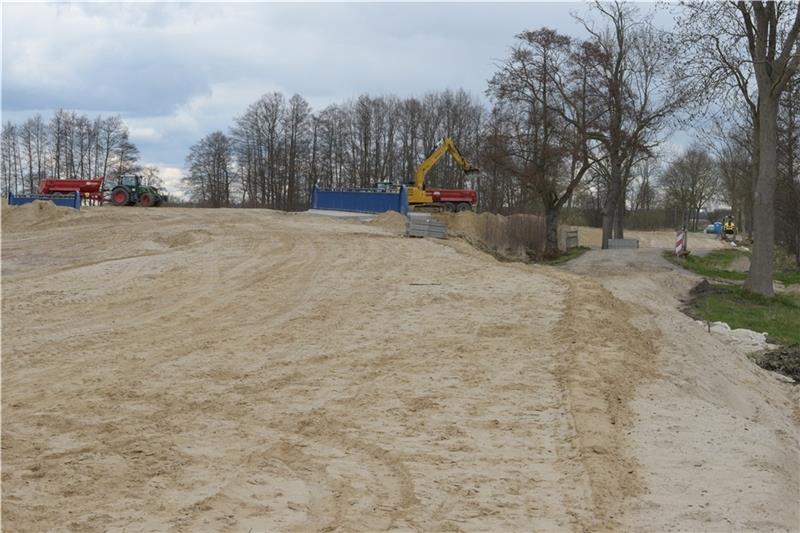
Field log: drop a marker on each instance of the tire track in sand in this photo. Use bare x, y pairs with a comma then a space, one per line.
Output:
602, 358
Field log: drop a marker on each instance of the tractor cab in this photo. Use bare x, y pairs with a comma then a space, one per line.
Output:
130, 181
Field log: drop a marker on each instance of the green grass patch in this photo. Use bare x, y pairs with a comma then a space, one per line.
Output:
712, 265
778, 315
569, 255
715, 266
788, 277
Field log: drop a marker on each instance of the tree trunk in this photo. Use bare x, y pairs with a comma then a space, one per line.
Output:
551, 217
619, 217
612, 198
754, 169
759, 279
608, 222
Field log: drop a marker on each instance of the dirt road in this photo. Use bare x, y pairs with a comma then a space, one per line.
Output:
189, 369
697, 242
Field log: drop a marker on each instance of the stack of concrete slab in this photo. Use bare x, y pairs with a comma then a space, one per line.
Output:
423, 225
618, 244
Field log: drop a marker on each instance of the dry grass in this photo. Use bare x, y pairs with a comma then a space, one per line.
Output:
514, 238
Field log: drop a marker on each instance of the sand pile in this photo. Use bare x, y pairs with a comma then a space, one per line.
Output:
467, 224
36, 214
392, 221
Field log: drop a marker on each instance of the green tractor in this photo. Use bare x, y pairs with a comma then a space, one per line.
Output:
130, 191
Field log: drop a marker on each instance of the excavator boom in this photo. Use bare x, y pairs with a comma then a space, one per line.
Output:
447, 145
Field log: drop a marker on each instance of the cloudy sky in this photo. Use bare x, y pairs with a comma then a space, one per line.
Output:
176, 72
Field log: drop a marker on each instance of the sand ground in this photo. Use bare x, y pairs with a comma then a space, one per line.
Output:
191, 369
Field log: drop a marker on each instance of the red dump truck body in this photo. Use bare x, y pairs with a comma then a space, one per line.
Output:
89, 189
454, 196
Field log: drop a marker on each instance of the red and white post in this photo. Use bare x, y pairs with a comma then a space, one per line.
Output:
680, 243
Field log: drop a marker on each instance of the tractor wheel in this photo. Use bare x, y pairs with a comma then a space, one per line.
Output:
147, 200
120, 196
450, 207
463, 206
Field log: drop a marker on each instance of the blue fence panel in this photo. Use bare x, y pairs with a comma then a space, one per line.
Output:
363, 201
66, 200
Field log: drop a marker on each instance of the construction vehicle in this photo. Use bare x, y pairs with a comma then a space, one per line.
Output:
130, 191
428, 199
90, 190
728, 232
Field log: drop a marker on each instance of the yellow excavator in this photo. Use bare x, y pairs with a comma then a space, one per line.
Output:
442, 199
728, 232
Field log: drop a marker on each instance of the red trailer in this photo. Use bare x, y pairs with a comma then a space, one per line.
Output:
91, 190
454, 199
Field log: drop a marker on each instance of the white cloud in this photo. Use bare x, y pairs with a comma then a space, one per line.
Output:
172, 177
143, 133
203, 113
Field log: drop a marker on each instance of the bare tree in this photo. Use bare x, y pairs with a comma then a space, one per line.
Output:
27, 135
731, 143
495, 156
127, 157
774, 67
151, 177
643, 186
634, 88
10, 169
112, 132
211, 169
296, 127
544, 84
690, 182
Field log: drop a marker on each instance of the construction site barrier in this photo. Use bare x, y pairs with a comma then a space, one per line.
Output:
72, 200
360, 200
680, 243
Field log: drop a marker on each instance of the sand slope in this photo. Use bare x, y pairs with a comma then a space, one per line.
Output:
190, 369
717, 435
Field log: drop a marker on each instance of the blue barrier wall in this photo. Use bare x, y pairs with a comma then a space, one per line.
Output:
364, 201
72, 200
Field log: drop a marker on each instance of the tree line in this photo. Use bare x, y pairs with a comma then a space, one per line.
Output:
279, 148
66, 146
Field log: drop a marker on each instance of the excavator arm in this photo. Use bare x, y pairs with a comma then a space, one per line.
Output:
447, 145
